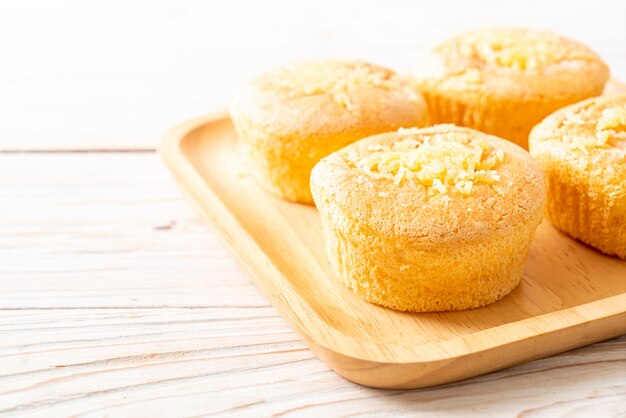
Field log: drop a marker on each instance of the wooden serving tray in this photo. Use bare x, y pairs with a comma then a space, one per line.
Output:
571, 295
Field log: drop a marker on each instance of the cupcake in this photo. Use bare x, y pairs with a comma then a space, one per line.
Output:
582, 152
431, 219
291, 117
504, 81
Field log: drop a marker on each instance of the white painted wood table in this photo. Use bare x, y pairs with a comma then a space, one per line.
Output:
117, 300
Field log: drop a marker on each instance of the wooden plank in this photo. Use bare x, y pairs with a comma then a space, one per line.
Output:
205, 341
246, 362
119, 74
107, 230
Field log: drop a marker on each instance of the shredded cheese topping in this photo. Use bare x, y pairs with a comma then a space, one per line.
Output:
613, 118
435, 162
523, 55
592, 127
611, 127
335, 78
519, 49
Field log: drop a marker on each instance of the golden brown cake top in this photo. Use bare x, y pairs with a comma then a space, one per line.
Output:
329, 96
336, 79
439, 184
511, 61
586, 140
593, 126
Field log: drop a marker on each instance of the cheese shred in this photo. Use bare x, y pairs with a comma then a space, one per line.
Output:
435, 163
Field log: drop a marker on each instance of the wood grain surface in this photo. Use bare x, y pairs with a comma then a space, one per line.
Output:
117, 300
131, 306
570, 295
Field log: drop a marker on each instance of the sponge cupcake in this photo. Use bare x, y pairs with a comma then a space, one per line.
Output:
291, 117
582, 151
430, 219
503, 81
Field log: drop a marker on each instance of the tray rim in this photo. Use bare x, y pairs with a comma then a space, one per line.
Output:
611, 311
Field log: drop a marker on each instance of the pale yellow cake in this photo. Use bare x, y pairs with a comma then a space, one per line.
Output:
431, 219
582, 151
289, 118
503, 81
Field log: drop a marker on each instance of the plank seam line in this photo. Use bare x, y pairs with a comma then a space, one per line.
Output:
80, 151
